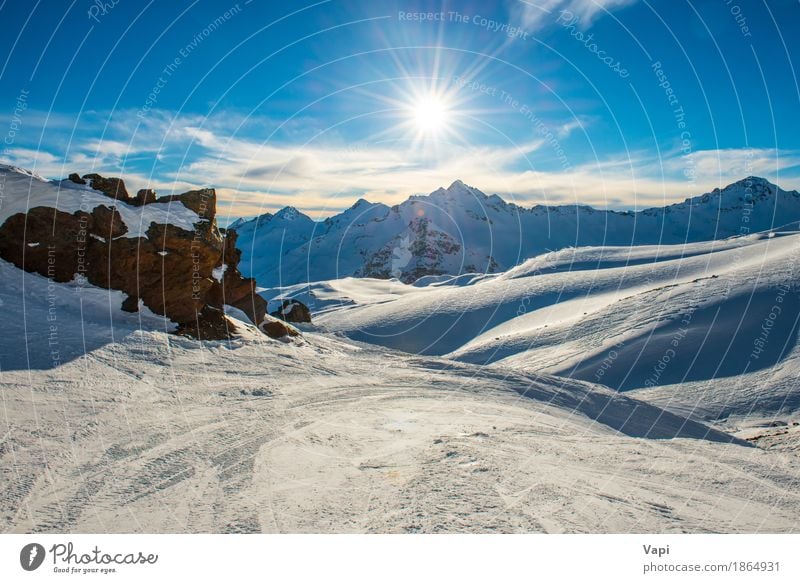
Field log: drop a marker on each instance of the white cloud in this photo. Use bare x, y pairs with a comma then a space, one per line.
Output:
537, 14
742, 162
175, 154
323, 177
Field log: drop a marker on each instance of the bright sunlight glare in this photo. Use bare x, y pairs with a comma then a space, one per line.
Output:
430, 114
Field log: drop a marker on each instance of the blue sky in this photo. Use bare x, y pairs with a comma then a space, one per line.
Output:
614, 103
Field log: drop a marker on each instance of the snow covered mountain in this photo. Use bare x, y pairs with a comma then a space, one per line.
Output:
285, 230
521, 402
462, 230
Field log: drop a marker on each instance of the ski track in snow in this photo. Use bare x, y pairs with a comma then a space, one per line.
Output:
127, 428
315, 441
151, 432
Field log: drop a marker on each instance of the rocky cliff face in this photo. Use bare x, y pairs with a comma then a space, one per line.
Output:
165, 253
421, 250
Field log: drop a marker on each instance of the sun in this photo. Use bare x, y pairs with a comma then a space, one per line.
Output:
430, 114
427, 116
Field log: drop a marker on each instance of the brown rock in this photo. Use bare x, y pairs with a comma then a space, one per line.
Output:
275, 328
111, 187
238, 291
107, 223
144, 196
130, 304
203, 202
170, 270
210, 324
56, 238
292, 310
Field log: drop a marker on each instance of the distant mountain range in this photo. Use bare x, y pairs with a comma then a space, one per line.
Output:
460, 229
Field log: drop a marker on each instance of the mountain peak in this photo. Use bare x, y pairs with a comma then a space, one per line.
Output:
359, 203
750, 182
752, 186
253, 223
458, 188
236, 224
288, 213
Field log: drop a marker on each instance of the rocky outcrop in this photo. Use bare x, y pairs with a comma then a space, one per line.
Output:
144, 196
275, 328
203, 201
186, 275
236, 290
292, 310
111, 187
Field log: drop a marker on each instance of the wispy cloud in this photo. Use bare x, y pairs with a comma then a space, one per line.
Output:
536, 14
172, 154
324, 177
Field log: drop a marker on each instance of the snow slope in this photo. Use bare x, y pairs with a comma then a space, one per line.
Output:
461, 230
152, 432
47, 324
720, 316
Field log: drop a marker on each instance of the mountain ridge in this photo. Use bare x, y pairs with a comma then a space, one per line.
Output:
460, 229
496, 198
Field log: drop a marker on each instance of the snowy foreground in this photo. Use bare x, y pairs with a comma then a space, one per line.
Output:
112, 424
